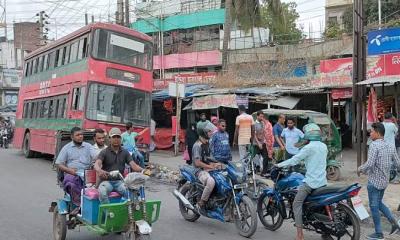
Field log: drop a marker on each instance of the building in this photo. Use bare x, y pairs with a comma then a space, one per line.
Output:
334, 10
190, 34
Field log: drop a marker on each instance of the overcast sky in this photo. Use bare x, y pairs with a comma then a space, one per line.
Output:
69, 15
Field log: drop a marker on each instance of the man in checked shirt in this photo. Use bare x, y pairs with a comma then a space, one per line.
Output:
381, 156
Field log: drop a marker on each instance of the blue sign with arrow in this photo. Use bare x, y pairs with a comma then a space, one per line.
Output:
384, 41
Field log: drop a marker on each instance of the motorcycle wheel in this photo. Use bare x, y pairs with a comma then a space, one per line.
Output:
59, 225
393, 174
347, 218
269, 213
247, 225
332, 173
6, 145
187, 214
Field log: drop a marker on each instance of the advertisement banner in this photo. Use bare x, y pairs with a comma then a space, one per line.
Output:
338, 72
342, 93
199, 78
11, 78
214, 101
384, 41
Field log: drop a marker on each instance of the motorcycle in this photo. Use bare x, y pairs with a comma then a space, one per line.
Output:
133, 216
256, 185
327, 210
5, 137
227, 201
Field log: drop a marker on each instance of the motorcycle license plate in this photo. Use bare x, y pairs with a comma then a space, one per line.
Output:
240, 186
359, 207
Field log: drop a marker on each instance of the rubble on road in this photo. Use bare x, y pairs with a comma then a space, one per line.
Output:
164, 174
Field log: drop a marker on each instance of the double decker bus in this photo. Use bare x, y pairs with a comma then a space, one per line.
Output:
99, 76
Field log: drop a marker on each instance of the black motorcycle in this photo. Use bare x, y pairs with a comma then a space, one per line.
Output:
5, 137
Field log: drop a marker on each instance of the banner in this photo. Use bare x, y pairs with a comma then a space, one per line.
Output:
384, 41
342, 93
200, 78
214, 101
338, 72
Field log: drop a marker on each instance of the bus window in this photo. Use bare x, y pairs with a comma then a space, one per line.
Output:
78, 99
25, 110
74, 52
26, 69
56, 108
51, 108
60, 57
35, 66
46, 62
66, 54
52, 59
82, 48
30, 68
63, 108
40, 69
31, 110
35, 110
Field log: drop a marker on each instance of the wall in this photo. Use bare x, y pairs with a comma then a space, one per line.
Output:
188, 60
26, 36
7, 54
242, 40
336, 8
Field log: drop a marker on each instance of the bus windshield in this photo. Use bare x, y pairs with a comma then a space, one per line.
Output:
118, 104
123, 49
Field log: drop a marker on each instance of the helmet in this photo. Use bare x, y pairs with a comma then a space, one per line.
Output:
312, 132
203, 131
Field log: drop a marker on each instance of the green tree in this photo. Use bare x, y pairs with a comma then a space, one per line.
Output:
282, 26
333, 31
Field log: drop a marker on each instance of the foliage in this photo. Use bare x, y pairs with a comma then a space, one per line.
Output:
282, 23
333, 31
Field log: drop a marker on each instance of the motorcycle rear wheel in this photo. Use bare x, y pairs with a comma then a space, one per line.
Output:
346, 214
247, 210
187, 214
267, 208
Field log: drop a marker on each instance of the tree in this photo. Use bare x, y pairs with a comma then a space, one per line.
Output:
333, 31
282, 26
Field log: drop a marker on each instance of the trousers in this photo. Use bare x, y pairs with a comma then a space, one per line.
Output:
208, 182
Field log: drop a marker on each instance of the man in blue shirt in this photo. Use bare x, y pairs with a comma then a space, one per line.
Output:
291, 135
279, 146
129, 144
73, 159
219, 144
314, 155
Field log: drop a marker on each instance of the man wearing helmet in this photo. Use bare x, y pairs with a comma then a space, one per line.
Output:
314, 154
202, 163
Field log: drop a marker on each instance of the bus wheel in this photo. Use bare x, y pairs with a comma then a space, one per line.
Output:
27, 146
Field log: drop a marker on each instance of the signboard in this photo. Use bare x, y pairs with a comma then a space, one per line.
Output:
342, 93
214, 101
10, 98
173, 90
11, 78
200, 78
384, 41
242, 100
338, 72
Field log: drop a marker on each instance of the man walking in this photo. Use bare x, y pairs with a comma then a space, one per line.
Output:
291, 135
390, 129
269, 141
279, 146
219, 144
259, 141
243, 131
381, 156
129, 143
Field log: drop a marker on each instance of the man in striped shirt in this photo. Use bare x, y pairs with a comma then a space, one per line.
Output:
381, 156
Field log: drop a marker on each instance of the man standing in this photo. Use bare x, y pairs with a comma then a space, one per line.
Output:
99, 139
381, 156
219, 144
279, 146
291, 136
269, 141
259, 141
244, 131
111, 159
390, 129
314, 155
73, 159
203, 121
152, 134
129, 143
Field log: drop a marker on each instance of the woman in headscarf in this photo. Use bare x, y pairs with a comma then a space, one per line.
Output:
191, 138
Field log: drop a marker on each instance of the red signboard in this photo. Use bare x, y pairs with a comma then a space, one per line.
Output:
342, 93
338, 72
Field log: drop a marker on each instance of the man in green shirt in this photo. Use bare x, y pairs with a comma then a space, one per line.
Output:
129, 144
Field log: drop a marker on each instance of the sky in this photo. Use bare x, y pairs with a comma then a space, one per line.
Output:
69, 15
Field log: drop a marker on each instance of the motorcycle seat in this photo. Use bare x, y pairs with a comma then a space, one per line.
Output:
190, 169
330, 189
93, 193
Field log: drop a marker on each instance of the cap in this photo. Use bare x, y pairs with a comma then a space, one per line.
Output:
115, 132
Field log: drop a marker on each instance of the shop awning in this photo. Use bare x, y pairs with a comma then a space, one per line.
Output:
190, 89
379, 80
285, 102
214, 101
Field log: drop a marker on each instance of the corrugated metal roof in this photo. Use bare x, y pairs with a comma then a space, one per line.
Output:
190, 89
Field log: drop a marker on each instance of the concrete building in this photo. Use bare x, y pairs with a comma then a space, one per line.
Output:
334, 10
192, 33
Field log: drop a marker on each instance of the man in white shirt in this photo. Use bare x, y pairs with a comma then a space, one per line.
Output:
99, 140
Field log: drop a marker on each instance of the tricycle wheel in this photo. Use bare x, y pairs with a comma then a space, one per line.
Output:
333, 173
136, 236
59, 225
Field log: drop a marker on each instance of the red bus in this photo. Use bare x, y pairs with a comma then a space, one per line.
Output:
99, 76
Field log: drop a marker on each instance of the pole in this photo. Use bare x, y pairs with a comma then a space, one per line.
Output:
92, 18
41, 27
329, 103
127, 13
379, 13
396, 99
86, 19
5, 19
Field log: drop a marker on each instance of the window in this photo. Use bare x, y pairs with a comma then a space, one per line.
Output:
25, 110
35, 66
30, 68
27, 65
51, 108
66, 55
56, 106
62, 109
82, 48
333, 20
60, 57
74, 52
46, 62
32, 104
53, 59
41, 61
78, 99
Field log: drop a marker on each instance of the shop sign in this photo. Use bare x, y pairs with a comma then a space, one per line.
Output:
384, 41
242, 100
214, 101
11, 97
342, 93
199, 78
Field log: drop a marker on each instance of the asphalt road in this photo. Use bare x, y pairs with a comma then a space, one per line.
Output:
28, 186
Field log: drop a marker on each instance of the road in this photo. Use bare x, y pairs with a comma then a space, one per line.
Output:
28, 186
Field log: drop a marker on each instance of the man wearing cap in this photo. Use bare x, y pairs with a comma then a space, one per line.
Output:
110, 159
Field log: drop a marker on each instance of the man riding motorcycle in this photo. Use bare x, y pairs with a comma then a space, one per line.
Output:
202, 163
314, 154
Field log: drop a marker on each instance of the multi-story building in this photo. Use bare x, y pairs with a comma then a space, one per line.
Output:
334, 10
190, 34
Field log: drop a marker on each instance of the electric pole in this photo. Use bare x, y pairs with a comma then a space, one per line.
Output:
4, 15
43, 30
127, 13
119, 15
